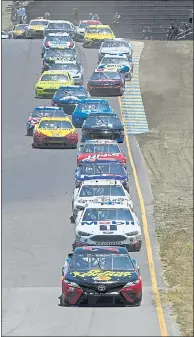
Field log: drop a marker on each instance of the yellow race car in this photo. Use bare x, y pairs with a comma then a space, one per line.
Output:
19, 31
50, 81
55, 132
95, 35
36, 28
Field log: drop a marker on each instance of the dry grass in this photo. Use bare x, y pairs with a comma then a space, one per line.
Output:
167, 88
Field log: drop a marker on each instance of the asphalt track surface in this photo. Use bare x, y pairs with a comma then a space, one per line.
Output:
37, 187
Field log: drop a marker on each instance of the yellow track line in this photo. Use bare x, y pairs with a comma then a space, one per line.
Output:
159, 309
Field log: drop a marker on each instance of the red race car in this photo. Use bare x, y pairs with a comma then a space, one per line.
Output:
106, 83
100, 149
81, 29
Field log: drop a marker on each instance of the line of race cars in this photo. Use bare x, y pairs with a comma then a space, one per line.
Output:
100, 268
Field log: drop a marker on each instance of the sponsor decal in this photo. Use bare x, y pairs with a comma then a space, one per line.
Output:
98, 275
91, 223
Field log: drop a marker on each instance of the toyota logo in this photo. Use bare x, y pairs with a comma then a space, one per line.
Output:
101, 288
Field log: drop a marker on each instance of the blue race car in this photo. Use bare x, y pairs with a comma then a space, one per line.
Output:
69, 97
100, 125
101, 169
85, 107
40, 112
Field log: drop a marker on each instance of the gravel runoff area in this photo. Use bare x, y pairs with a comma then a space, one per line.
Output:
166, 80
5, 15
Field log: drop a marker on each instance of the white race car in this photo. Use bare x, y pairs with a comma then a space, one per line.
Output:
115, 46
99, 191
108, 224
119, 62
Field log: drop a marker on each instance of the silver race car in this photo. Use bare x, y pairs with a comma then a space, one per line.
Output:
115, 46
108, 224
119, 62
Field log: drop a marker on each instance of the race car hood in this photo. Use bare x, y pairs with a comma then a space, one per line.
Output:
101, 276
100, 199
19, 32
51, 84
36, 27
97, 36
83, 177
104, 127
55, 133
98, 155
104, 82
60, 45
114, 227
67, 99
58, 58
115, 66
114, 50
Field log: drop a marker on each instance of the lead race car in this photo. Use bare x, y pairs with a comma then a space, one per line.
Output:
100, 149
101, 275
108, 223
101, 169
99, 191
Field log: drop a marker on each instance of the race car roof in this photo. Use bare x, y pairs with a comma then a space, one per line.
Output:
107, 204
73, 87
101, 182
58, 34
101, 249
47, 108
101, 161
120, 55
65, 118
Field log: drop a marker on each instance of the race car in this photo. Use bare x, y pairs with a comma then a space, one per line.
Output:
101, 169
53, 55
85, 107
100, 125
69, 97
36, 28
81, 28
99, 191
55, 26
40, 112
19, 31
50, 81
115, 46
74, 68
118, 62
57, 40
95, 35
100, 149
100, 275
55, 132
4, 36
108, 223
105, 82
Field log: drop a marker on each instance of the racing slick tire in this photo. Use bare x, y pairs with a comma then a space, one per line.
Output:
29, 133
63, 302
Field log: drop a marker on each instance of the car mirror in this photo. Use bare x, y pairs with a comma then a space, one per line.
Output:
70, 255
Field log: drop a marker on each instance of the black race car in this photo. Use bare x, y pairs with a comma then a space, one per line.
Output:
100, 275
103, 125
106, 83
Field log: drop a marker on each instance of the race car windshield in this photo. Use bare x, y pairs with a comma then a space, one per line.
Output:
99, 191
70, 92
93, 106
69, 67
48, 113
99, 31
106, 74
102, 168
61, 66
55, 25
115, 44
115, 60
54, 125
59, 78
107, 214
39, 23
102, 148
83, 25
95, 120
90, 261
59, 39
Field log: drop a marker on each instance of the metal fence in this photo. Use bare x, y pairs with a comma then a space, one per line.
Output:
135, 15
